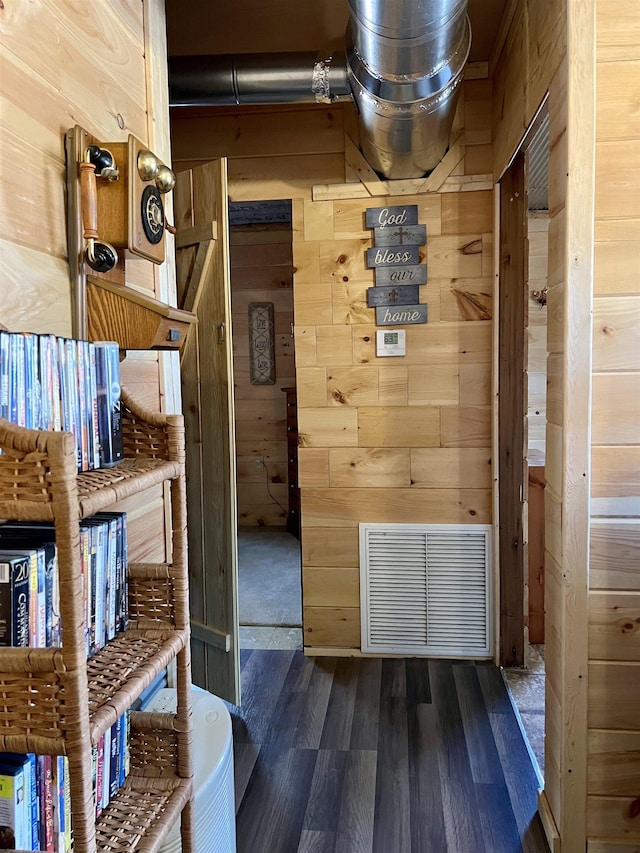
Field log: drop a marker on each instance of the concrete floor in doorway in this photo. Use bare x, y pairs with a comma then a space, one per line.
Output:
269, 588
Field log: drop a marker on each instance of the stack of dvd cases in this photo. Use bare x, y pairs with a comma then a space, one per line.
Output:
53, 383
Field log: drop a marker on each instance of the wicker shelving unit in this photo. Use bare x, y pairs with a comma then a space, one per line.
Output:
54, 701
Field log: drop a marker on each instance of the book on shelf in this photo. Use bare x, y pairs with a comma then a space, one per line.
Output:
107, 357
5, 345
15, 802
39, 536
35, 600
14, 599
30, 587
52, 383
35, 797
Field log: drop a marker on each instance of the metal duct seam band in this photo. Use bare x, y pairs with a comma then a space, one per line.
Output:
409, 90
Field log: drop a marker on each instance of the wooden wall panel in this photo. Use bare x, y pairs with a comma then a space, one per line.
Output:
331, 547
616, 408
331, 587
538, 242
262, 271
332, 626
615, 471
283, 177
523, 71
206, 133
611, 847
61, 67
376, 417
348, 507
547, 47
614, 768
614, 626
614, 553
614, 645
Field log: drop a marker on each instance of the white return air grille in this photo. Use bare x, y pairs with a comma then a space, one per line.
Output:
424, 589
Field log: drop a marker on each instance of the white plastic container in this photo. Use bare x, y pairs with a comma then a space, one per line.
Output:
215, 818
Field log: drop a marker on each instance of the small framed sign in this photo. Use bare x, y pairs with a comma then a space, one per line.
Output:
262, 359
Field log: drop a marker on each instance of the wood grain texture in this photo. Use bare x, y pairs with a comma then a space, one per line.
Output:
324, 508
412, 756
613, 746
511, 409
614, 768
614, 553
331, 587
614, 626
614, 694
261, 261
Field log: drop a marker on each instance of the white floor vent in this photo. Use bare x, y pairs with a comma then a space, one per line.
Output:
424, 589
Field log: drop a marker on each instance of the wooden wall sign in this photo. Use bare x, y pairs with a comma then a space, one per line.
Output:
395, 259
404, 275
391, 217
406, 315
415, 235
392, 256
262, 360
405, 295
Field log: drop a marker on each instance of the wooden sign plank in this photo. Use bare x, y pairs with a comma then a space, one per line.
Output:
402, 275
393, 256
385, 217
405, 295
413, 235
406, 315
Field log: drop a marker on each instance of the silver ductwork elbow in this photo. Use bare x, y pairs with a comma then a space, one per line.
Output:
403, 68
405, 62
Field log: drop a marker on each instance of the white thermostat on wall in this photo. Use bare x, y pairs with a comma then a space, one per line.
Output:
391, 342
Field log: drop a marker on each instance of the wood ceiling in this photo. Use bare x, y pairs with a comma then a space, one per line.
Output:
256, 26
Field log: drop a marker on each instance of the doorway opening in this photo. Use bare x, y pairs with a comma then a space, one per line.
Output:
526, 681
269, 560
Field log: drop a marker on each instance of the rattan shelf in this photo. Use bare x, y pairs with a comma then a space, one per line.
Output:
54, 701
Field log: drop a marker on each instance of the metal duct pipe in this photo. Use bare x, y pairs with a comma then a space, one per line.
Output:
405, 63
257, 78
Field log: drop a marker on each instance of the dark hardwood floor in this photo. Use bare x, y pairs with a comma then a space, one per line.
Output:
352, 755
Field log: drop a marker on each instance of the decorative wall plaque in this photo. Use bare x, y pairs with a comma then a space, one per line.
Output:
392, 256
395, 258
262, 360
404, 315
405, 295
404, 275
414, 235
390, 217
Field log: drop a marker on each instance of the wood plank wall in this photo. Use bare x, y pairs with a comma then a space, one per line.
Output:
63, 65
387, 440
614, 599
262, 271
538, 238
531, 63
400, 440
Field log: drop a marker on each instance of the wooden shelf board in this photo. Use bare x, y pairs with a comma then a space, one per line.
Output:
133, 319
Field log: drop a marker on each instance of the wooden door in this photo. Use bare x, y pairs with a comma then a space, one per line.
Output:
512, 394
202, 267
